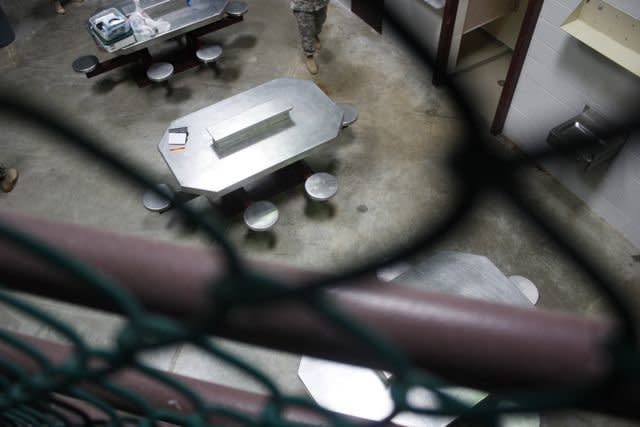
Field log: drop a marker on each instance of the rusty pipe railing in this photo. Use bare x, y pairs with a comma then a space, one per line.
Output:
79, 412
472, 342
156, 393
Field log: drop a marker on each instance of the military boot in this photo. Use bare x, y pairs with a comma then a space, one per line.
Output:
311, 64
59, 8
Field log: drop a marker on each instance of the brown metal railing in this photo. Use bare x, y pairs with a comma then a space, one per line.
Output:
471, 342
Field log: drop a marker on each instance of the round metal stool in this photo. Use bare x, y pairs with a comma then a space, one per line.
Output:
321, 186
390, 272
349, 116
261, 216
156, 203
237, 8
527, 287
160, 72
85, 64
209, 54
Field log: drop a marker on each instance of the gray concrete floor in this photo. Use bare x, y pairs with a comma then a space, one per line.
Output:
390, 165
481, 83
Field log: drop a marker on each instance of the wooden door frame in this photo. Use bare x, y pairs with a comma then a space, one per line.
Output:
517, 63
517, 60
444, 42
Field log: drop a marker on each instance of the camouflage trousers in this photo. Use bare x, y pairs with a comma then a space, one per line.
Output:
310, 25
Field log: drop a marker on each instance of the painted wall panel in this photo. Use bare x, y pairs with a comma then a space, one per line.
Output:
552, 35
560, 76
517, 127
554, 12
631, 232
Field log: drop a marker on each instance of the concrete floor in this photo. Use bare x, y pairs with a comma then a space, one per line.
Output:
390, 165
481, 83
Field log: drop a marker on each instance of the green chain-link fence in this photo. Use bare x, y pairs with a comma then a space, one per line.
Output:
72, 390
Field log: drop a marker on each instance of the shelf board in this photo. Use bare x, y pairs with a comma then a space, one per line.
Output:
482, 12
478, 47
608, 31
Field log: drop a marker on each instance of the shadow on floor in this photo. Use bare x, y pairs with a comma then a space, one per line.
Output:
107, 84
319, 211
178, 94
260, 240
243, 41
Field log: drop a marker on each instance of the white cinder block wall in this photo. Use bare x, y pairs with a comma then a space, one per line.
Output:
560, 76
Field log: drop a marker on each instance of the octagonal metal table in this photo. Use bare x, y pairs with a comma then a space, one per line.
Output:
363, 392
307, 121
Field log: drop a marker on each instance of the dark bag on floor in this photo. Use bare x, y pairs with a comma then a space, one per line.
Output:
7, 36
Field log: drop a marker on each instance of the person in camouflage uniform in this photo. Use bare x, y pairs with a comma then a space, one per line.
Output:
310, 15
60, 8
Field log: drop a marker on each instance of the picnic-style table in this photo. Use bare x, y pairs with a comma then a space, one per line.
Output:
188, 21
243, 138
266, 131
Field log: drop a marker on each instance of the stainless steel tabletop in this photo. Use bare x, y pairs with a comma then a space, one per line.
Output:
313, 121
182, 18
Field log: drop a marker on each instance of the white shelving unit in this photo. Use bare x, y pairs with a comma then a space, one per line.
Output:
477, 35
607, 30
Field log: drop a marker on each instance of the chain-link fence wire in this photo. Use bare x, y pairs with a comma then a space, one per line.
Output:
40, 397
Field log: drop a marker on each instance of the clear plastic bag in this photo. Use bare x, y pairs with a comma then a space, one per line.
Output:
144, 27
